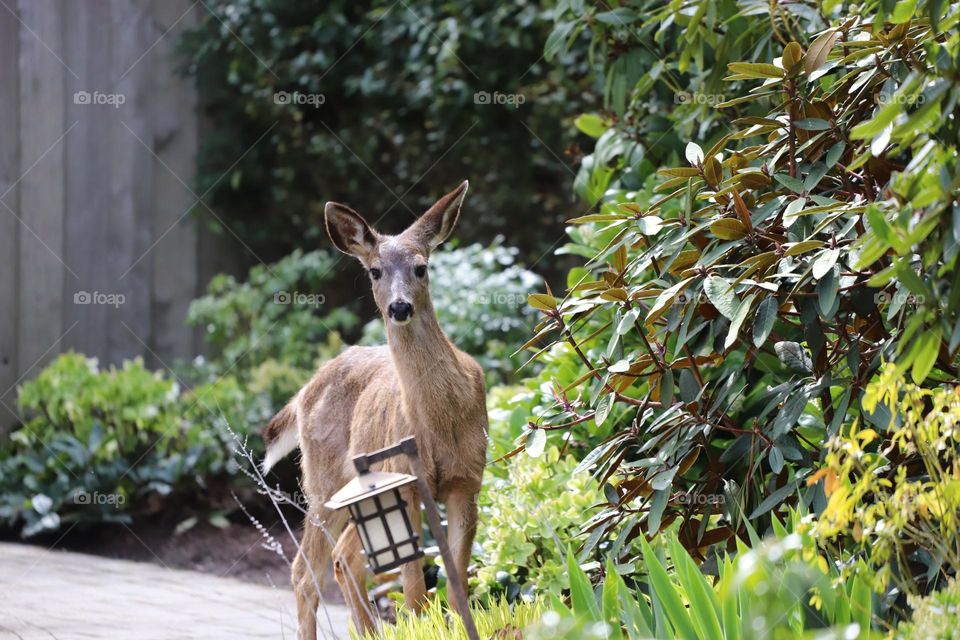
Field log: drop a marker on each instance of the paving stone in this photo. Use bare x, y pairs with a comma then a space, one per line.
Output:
70, 596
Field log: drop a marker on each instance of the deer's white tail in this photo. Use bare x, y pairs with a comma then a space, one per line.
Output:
281, 436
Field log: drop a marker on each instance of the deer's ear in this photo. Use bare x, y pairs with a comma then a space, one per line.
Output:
350, 232
437, 223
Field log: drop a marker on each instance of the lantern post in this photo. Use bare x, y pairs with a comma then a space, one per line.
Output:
379, 512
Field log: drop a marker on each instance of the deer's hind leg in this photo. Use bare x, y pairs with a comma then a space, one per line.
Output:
350, 572
310, 566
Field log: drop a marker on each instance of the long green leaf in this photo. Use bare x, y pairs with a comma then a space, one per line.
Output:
700, 593
611, 601
664, 591
581, 593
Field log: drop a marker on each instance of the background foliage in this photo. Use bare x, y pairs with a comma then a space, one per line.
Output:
399, 118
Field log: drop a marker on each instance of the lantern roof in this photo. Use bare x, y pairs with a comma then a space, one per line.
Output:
367, 485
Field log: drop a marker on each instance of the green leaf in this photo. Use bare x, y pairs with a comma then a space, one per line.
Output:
924, 353
794, 356
789, 182
819, 50
763, 323
637, 617
834, 154
665, 299
704, 603
649, 225
827, 290
774, 499
536, 441
728, 229
611, 601
743, 309
581, 593
694, 154
756, 69
603, 409
861, 599
662, 589
812, 124
621, 16
721, 295
542, 301
775, 458
590, 124
824, 262
657, 506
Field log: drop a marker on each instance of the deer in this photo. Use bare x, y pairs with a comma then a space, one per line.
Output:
368, 398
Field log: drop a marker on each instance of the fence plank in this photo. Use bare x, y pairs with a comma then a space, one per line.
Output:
131, 182
42, 130
175, 260
9, 226
88, 165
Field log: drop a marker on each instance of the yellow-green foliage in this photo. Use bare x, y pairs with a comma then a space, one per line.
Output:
440, 623
528, 517
935, 617
899, 489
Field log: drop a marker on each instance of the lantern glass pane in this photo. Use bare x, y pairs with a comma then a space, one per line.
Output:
386, 531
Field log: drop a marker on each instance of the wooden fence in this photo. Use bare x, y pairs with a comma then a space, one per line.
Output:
98, 140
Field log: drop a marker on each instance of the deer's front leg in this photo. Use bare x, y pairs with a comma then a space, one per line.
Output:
462, 528
414, 586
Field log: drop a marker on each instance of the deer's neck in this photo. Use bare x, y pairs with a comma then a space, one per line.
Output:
425, 359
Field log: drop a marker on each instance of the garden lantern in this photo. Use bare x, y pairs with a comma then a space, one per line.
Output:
379, 512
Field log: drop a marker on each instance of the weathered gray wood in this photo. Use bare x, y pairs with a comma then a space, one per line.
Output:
9, 226
42, 128
99, 198
88, 165
175, 130
131, 180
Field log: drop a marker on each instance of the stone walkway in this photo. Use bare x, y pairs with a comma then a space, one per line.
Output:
62, 595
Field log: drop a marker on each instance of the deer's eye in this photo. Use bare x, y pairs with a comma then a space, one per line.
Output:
375, 273
420, 270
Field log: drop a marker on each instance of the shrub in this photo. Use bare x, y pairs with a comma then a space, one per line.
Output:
104, 445
893, 492
529, 513
480, 296
402, 90
501, 620
935, 617
280, 312
735, 308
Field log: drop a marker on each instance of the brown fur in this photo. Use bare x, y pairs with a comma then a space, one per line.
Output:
370, 397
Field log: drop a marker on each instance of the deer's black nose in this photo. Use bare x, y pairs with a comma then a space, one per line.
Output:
400, 311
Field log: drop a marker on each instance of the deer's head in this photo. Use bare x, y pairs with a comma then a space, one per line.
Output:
397, 265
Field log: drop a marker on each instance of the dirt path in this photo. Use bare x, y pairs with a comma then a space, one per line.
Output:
64, 595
